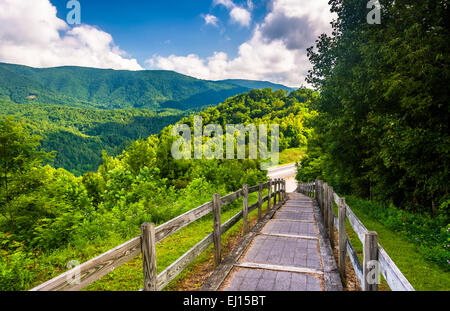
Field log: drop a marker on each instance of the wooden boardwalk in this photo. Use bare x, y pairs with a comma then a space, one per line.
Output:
289, 251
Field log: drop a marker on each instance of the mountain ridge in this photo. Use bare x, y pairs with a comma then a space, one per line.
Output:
117, 89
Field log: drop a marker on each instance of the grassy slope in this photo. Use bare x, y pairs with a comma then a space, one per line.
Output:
291, 155
423, 275
129, 277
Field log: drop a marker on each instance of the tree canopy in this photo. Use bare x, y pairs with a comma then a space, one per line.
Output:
382, 129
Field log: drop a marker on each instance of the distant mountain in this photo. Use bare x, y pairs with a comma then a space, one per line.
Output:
81, 111
116, 89
252, 84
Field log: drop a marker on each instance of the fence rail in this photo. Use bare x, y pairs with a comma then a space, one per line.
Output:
92, 270
375, 257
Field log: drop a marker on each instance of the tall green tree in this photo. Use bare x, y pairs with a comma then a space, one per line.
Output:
19, 152
383, 124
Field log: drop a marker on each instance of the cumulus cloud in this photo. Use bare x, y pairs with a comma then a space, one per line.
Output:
31, 34
210, 19
238, 14
227, 3
276, 51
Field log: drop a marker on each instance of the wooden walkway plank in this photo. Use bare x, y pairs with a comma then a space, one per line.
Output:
289, 250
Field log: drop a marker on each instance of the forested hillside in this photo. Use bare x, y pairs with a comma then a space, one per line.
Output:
382, 130
79, 111
251, 84
110, 89
48, 216
78, 135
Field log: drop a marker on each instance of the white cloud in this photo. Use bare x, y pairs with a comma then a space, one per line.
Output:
237, 14
210, 19
250, 5
31, 34
240, 16
276, 51
227, 3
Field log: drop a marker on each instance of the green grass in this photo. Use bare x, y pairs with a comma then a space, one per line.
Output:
291, 155
129, 277
422, 274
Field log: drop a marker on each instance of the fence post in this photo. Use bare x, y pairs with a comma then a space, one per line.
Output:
342, 237
149, 256
245, 209
331, 215
316, 191
216, 232
275, 192
260, 201
269, 203
322, 199
371, 277
279, 190
325, 205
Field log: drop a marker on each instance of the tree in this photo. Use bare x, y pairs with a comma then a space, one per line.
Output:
383, 105
19, 152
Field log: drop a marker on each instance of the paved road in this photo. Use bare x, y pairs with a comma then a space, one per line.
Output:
287, 172
288, 254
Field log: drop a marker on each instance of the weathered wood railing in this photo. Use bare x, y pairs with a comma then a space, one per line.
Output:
92, 270
375, 257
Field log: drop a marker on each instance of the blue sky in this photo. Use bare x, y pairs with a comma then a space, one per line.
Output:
207, 39
144, 28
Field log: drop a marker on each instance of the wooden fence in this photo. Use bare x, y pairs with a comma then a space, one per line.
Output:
92, 270
375, 260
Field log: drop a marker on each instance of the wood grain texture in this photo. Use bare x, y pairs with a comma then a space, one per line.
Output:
253, 189
253, 265
260, 201
216, 229
331, 273
325, 205
93, 269
165, 230
391, 273
331, 217
395, 279
342, 237
220, 274
357, 267
269, 200
357, 225
275, 190
245, 210
370, 270
229, 198
282, 235
231, 222
171, 272
148, 248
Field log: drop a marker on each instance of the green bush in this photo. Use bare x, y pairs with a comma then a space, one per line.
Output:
431, 233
